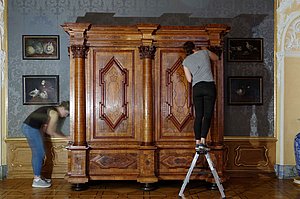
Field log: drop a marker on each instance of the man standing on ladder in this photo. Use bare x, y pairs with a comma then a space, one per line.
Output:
197, 69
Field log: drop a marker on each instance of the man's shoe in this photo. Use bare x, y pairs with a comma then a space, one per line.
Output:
39, 183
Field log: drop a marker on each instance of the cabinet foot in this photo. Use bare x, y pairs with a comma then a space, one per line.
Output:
213, 186
148, 187
79, 187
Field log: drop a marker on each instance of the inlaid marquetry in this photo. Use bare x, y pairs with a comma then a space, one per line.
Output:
112, 89
178, 96
114, 85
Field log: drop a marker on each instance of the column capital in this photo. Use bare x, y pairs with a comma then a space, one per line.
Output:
147, 51
79, 51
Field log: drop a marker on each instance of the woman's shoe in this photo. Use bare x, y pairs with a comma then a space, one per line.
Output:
202, 147
39, 183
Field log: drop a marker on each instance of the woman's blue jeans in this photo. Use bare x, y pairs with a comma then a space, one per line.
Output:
36, 143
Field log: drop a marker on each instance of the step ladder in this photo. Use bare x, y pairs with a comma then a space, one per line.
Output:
211, 166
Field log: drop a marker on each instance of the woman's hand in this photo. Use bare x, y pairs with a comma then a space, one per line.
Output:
43, 128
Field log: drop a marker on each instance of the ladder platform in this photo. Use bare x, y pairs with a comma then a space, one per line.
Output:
212, 169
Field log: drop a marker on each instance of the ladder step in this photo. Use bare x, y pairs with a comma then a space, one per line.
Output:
203, 173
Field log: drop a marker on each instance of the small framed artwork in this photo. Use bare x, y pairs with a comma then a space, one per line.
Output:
245, 90
245, 50
40, 89
37, 47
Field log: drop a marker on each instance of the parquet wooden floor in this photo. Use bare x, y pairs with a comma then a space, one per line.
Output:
263, 187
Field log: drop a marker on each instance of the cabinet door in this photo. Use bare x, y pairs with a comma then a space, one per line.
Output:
175, 109
114, 114
113, 82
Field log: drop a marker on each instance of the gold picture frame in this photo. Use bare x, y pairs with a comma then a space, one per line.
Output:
40, 89
245, 50
40, 47
245, 90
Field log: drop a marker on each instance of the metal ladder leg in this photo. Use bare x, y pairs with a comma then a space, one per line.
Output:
215, 174
188, 175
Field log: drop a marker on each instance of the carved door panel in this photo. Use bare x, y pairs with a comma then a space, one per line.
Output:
113, 85
175, 112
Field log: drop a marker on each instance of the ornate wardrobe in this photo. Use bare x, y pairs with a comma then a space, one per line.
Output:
131, 111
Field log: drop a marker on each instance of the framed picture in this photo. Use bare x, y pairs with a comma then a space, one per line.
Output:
40, 89
245, 90
245, 50
37, 47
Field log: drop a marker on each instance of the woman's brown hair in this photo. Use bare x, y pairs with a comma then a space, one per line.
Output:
188, 47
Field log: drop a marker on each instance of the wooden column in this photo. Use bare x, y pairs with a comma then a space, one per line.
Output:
78, 149
216, 134
79, 136
147, 55
147, 148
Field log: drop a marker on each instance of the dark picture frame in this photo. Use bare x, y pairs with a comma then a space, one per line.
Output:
40, 47
40, 89
245, 90
245, 50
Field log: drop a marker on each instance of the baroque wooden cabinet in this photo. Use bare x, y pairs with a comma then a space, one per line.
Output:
131, 110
